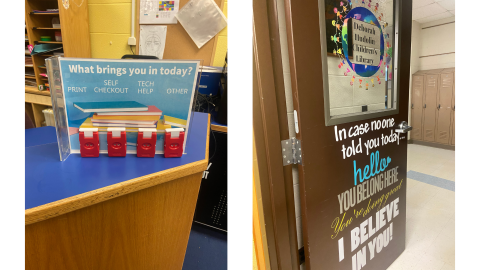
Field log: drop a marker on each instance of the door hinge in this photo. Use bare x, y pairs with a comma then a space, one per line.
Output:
291, 151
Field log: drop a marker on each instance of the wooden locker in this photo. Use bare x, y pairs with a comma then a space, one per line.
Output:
444, 108
429, 107
452, 129
418, 84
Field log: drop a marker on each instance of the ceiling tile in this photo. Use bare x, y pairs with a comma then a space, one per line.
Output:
435, 17
447, 4
421, 3
427, 11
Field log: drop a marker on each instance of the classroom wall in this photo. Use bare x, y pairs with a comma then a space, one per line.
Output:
438, 39
110, 25
221, 50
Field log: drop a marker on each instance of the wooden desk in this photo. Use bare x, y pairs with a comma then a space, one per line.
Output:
111, 213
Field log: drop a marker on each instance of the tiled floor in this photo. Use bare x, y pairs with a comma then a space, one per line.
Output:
430, 243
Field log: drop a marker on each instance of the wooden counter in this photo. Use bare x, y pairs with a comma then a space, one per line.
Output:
111, 213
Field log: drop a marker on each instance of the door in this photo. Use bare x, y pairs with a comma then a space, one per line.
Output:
430, 107
418, 86
350, 70
444, 108
452, 139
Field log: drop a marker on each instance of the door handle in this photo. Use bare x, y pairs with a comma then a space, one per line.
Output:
438, 108
424, 106
403, 127
412, 106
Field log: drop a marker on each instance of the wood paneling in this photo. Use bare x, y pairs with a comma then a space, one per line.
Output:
143, 230
75, 29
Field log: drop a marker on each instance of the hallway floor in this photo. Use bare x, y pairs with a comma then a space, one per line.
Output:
430, 243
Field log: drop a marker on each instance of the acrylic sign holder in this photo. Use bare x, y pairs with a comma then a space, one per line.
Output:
59, 104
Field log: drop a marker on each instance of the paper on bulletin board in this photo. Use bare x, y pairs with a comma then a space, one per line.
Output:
152, 40
158, 12
202, 19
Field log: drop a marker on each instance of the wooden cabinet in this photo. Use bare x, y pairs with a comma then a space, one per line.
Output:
433, 106
75, 42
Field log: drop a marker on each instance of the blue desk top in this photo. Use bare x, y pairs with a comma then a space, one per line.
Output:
38, 136
47, 179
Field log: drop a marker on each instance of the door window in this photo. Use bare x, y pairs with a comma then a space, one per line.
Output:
359, 40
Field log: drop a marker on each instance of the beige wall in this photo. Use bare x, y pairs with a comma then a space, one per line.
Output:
437, 40
428, 40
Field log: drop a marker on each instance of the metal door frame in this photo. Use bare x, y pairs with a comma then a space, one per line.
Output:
270, 127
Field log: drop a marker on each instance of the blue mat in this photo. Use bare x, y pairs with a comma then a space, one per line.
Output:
432, 180
206, 250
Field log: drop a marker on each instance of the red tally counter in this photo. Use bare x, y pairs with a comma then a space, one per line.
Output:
117, 142
89, 143
173, 146
146, 142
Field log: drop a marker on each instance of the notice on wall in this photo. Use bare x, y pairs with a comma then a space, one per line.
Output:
202, 19
152, 40
127, 93
158, 12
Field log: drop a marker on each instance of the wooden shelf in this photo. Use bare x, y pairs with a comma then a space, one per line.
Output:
46, 28
44, 13
49, 42
33, 90
73, 24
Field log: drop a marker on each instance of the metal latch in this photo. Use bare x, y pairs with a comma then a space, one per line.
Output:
291, 151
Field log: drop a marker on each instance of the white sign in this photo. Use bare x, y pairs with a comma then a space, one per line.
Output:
365, 40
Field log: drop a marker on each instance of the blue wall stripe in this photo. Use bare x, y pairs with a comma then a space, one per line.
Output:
432, 180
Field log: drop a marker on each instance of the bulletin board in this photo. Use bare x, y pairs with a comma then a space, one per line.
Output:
178, 44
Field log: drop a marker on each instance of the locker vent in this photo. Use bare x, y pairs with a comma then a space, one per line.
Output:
429, 133
443, 135
447, 82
